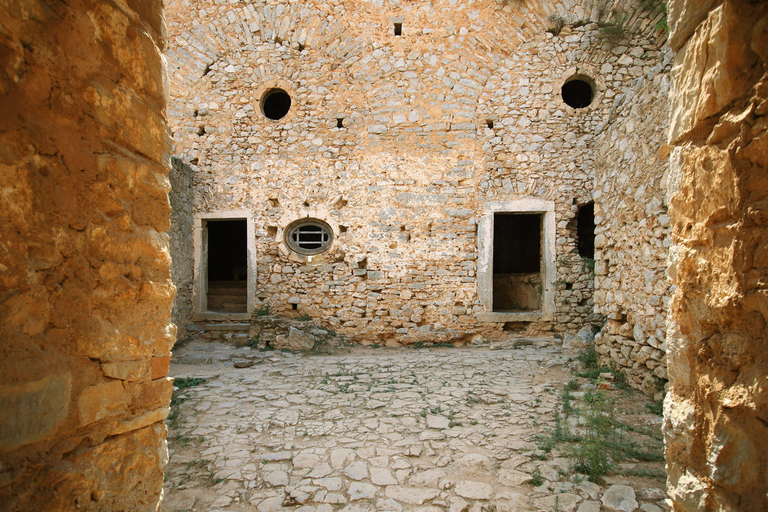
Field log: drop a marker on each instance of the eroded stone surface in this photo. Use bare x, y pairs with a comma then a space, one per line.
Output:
85, 289
715, 433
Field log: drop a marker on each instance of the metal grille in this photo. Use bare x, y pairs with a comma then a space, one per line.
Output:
309, 237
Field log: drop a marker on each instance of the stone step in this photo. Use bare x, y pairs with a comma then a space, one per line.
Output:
230, 327
233, 299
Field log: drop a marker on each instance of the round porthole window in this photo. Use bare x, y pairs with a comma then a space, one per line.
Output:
309, 236
275, 104
579, 91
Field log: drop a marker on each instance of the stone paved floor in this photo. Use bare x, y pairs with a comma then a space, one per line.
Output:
437, 429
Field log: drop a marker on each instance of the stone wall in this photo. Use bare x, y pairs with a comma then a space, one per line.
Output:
632, 230
462, 109
85, 290
181, 243
716, 413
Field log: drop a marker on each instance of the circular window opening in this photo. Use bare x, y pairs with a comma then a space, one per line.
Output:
578, 93
310, 236
275, 104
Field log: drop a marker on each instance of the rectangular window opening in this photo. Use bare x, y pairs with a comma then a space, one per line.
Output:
227, 266
398, 29
517, 262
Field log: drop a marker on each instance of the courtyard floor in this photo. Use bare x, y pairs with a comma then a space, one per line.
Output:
488, 428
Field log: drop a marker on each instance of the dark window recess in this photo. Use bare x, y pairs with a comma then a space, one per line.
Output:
275, 104
340, 122
516, 243
309, 237
585, 231
489, 123
517, 284
398, 29
577, 93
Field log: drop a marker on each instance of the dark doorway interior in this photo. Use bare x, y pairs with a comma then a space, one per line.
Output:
517, 282
585, 231
227, 266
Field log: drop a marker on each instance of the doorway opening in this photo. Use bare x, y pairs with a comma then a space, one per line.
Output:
517, 262
227, 266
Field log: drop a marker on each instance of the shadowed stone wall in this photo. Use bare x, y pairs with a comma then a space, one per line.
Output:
85, 290
716, 413
181, 243
632, 231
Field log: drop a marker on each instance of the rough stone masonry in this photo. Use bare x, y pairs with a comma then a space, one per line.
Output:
716, 413
411, 133
436, 118
85, 290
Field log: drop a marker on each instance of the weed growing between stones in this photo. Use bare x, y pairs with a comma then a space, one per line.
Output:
187, 382
593, 372
656, 407
588, 356
264, 310
180, 384
599, 440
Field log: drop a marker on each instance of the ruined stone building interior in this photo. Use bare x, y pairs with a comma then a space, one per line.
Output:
402, 172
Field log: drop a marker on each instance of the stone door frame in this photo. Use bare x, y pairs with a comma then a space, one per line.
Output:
200, 284
485, 259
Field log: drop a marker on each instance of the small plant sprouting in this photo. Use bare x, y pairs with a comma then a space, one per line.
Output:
264, 310
656, 407
537, 480
304, 318
187, 382
588, 356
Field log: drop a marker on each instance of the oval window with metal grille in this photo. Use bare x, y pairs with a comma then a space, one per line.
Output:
309, 236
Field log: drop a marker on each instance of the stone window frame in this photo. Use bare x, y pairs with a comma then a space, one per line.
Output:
485, 259
291, 217
584, 72
199, 292
297, 225
266, 86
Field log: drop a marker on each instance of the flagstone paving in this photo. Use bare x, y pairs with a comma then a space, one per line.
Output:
430, 429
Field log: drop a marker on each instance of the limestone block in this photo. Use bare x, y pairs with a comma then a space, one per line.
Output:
295, 340
102, 400
683, 17
563, 501
710, 70
125, 468
620, 497
411, 495
127, 370
731, 457
32, 411
159, 367
474, 490
150, 395
685, 490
